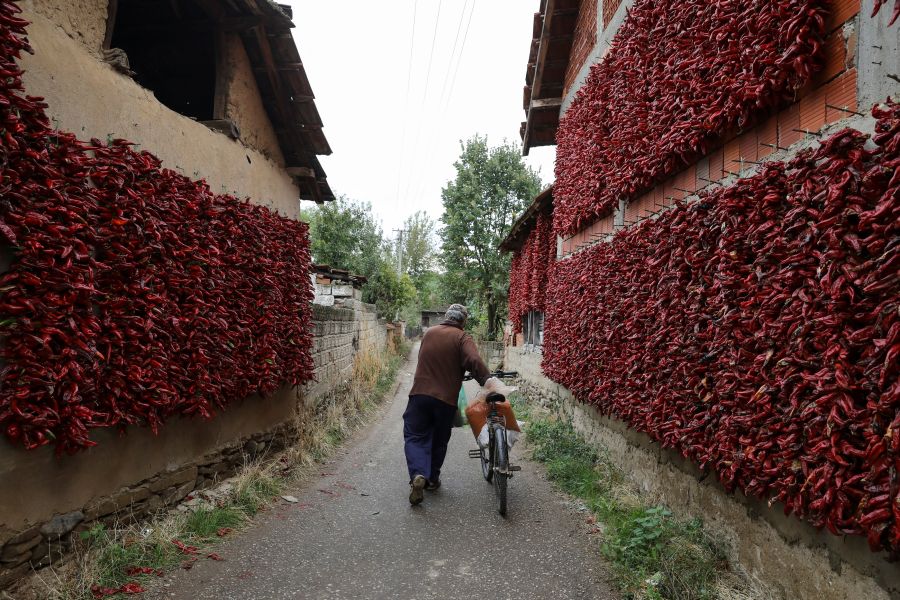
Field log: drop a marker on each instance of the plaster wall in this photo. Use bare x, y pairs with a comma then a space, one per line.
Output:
133, 473
244, 105
82, 20
787, 555
90, 99
35, 485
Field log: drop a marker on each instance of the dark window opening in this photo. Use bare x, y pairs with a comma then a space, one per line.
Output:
171, 50
533, 328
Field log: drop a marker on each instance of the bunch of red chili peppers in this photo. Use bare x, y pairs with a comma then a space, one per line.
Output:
134, 294
528, 272
677, 77
757, 332
894, 15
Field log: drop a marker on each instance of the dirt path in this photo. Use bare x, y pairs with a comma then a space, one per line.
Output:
354, 535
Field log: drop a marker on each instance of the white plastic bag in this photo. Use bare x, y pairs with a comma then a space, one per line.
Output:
511, 437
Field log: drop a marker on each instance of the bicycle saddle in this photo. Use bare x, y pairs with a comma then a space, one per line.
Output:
495, 397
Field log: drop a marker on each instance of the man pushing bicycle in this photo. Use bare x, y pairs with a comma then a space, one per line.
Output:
446, 353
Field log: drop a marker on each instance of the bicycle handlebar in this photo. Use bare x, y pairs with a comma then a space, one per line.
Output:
497, 374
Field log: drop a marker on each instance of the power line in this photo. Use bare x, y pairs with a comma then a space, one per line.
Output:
462, 16
412, 42
424, 97
446, 101
437, 20
459, 59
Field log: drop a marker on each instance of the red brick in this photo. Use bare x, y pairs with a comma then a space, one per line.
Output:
687, 179
583, 42
840, 12
748, 146
716, 164
609, 10
842, 93
788, 124
767, 133
835, 57
732, 156
812, 110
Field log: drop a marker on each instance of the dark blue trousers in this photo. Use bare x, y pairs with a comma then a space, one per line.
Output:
427, 424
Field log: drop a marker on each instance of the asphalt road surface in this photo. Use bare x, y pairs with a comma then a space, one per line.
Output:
353, 534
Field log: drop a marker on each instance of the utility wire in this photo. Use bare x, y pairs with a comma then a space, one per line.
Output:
424, 97
462, 16
412, 42
446, 100
459, 59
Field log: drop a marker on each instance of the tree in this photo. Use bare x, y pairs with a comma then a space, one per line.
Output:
389, 292
419, 248
492, 186
344, 234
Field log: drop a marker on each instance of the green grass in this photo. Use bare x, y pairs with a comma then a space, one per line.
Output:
654, 555
205, 522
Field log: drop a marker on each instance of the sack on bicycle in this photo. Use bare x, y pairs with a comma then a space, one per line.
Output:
477, 411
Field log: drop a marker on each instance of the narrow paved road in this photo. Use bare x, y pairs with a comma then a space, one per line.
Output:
354, 535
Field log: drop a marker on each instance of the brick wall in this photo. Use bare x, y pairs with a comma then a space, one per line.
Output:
583, 44
609, 9
829, 98
794, 559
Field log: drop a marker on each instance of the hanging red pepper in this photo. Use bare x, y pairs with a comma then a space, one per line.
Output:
757, 332
677, 77
134, 294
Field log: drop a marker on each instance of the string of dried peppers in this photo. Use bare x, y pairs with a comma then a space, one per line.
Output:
757, 332
133, 294
528, 271
677, 77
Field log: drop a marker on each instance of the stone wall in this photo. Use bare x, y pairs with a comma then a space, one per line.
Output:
46, 500
786, 554
342, 332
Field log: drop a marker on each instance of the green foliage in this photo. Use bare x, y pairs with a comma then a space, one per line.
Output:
419, 247
388, 292
654, 555
344, 234
492, 187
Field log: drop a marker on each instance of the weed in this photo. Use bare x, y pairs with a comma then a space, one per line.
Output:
653, 554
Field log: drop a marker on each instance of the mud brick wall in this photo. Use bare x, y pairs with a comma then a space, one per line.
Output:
341, 332
46, 501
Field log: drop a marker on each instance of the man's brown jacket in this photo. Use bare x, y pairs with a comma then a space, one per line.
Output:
446, 353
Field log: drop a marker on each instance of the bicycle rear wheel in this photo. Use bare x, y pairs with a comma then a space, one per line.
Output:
501, 461
487, 466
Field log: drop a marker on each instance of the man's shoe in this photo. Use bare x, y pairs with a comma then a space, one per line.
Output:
432, 485
416, 495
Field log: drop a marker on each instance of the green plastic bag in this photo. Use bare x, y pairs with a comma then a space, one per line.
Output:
461, 403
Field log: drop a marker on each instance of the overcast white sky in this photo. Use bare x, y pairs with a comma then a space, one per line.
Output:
396, 149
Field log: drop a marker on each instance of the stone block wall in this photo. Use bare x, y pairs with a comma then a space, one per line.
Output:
46, 501
789, 556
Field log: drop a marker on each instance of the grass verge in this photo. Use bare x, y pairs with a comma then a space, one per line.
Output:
653, 554
106, 558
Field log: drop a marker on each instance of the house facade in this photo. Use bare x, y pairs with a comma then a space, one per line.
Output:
694, 145
216, 90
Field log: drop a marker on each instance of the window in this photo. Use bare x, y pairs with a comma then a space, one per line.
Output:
171, 49
533, 329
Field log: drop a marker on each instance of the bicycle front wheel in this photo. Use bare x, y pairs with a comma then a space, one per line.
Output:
501, 455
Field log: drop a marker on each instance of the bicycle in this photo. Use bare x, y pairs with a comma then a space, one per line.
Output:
495, 467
